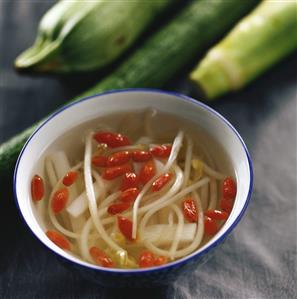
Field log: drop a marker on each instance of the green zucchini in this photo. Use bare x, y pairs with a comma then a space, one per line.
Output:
85, 35
264, 37
199, 25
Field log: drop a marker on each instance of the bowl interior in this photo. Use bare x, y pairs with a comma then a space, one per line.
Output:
100, 105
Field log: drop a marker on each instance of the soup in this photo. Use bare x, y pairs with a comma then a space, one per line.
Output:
133, 190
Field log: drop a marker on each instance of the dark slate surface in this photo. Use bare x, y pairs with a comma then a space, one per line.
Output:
257, 261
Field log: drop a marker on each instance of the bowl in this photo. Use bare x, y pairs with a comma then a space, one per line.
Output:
90, 108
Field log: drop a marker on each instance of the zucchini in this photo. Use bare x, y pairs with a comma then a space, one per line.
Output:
199, 25
264, 37
85, 35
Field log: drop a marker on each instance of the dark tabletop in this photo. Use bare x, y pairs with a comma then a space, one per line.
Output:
259, 258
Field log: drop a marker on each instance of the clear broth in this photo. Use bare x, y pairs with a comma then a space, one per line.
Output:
133, 124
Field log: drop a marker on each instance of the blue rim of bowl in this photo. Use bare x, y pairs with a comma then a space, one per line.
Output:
174, 264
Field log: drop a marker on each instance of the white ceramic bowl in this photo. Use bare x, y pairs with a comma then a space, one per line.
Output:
126, 100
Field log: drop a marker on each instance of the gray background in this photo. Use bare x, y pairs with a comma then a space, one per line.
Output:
259, 258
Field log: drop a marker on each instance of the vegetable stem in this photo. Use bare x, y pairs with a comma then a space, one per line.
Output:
256, 43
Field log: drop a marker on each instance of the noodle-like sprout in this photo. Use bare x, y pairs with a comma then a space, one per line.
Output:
188, 160
204, 196
170, 218
178, 233
83, 241
212, 173
173, 155
91, 196
213, 194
